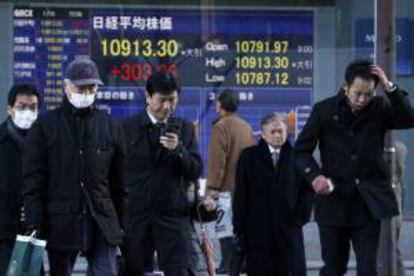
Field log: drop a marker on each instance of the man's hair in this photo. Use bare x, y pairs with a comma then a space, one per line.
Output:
228, 100
162, 82
360, 68
22, 89
282, 118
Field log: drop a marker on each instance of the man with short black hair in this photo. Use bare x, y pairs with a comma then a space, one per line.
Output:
74, 187
22, 109
163, 161
230, 134
352, 184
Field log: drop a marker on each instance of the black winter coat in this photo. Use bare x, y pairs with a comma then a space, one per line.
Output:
263, 194
351, 148
11, 199
158, 179
73, 172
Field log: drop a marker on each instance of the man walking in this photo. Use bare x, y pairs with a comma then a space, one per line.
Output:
74, 187
352, 184
22, 109
271, 203
163, 161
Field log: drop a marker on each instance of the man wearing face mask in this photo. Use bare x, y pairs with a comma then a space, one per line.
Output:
163, 160
271, 204
352, 184
74, 187
22, 109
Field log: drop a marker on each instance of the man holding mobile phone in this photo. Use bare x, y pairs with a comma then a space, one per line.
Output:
163, 161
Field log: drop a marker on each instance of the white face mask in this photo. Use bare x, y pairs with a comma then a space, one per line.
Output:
81, 100
24, 118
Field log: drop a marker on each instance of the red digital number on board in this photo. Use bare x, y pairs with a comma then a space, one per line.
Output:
140, 71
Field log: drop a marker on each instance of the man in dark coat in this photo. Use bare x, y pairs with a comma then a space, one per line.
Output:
353, 186
74, 187
163, 160
22, 108
271, 203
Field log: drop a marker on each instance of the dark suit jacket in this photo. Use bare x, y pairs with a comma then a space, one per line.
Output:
264, 194
73, 169
351, 147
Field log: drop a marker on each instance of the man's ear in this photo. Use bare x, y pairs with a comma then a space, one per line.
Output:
147, 97
66, 91
9, 110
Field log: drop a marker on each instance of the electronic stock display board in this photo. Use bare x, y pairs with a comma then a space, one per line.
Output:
266, 56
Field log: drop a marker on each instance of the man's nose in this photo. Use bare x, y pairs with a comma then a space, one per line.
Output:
362, 99
166, 105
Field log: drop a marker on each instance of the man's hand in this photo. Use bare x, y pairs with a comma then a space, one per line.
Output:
210, 203
169, 141
30, 229
320, 185
382, 77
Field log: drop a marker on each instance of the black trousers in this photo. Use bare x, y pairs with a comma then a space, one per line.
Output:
281, 252
6, 248
227, 255
101, 259
335, 245
167, 235
297, 260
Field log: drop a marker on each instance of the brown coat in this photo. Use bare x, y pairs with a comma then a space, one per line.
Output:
230, 135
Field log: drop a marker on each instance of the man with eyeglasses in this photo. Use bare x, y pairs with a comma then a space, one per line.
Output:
74, 192
22, 108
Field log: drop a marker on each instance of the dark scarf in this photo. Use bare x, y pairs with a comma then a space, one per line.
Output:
17, 134
75, 116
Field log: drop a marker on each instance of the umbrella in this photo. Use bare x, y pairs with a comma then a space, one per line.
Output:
206, 245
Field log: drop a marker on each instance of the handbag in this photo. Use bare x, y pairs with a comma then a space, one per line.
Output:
27, 256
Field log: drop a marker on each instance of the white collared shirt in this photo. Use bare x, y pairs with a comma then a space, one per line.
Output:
153, 119
272, 150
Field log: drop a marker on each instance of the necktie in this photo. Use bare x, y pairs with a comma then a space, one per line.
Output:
275, 158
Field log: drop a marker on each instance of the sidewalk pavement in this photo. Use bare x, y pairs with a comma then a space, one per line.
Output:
312, 248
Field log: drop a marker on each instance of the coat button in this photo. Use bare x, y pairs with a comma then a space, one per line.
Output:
80, 152
81, 184
357, 181
354, 157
